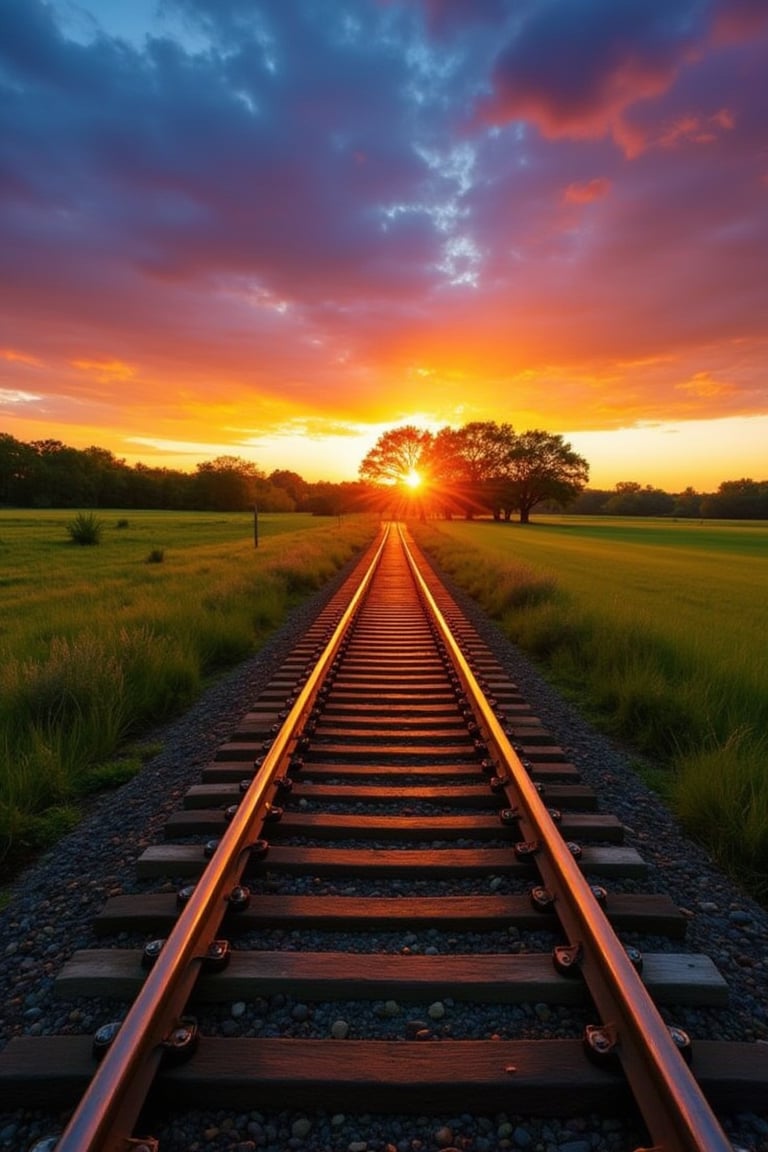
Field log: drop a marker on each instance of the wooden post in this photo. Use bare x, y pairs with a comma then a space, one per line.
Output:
255, 525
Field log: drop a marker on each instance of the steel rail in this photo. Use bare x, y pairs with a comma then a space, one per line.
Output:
108, 1110
673, 1106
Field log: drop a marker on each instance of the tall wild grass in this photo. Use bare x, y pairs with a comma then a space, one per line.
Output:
677, 687
93, 671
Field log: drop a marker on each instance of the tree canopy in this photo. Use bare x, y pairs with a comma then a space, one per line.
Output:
481, 467
543, 467
396, 455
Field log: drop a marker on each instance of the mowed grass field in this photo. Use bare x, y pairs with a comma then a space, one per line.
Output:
99, 643
659, 629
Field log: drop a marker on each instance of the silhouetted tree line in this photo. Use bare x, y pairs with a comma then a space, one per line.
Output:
48, 474
734, 500
482, 468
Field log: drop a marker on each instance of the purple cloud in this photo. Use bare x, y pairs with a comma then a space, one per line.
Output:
573, 69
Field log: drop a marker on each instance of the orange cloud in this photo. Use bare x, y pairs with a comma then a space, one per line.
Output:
106, 370
587, 191
703, 386
15, 357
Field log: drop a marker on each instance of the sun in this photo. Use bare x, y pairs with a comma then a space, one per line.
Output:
412, 479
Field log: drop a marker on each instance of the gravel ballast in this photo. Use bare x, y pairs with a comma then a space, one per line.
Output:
51, 907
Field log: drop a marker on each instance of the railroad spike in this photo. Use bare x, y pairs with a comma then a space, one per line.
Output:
103, 1037
601, 1044
527, 849
180, 1044
239, 898
682, 1042
217, 957
568, 958
542, 899
151, 951
635, 957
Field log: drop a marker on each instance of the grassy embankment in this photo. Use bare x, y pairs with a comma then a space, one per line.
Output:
658, 630
97, 644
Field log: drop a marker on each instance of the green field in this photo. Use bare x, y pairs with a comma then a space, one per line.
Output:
99, 643
707, 586
48, 586
658, 629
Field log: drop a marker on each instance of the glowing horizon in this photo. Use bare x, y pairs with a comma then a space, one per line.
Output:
278, 235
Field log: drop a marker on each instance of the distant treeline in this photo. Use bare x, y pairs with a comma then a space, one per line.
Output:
49, 474
733, 500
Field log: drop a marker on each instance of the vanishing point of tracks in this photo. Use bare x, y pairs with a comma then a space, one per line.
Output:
393, 764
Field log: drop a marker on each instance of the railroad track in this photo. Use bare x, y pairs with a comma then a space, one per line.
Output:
390, 784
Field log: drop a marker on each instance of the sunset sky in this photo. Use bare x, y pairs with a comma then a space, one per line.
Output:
276, 230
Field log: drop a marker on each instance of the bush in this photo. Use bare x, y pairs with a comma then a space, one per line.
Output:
85, 529
123, 523
156, 556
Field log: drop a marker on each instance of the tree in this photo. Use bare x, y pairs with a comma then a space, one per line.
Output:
291, 482
543, 467
485, 448
227, 484
271, 498
398, 456
738, 500
687, 503
59, 476
590, 502
105, 477
632, 499
395, 455
463, 468
16, 463
326, 499
444, 471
